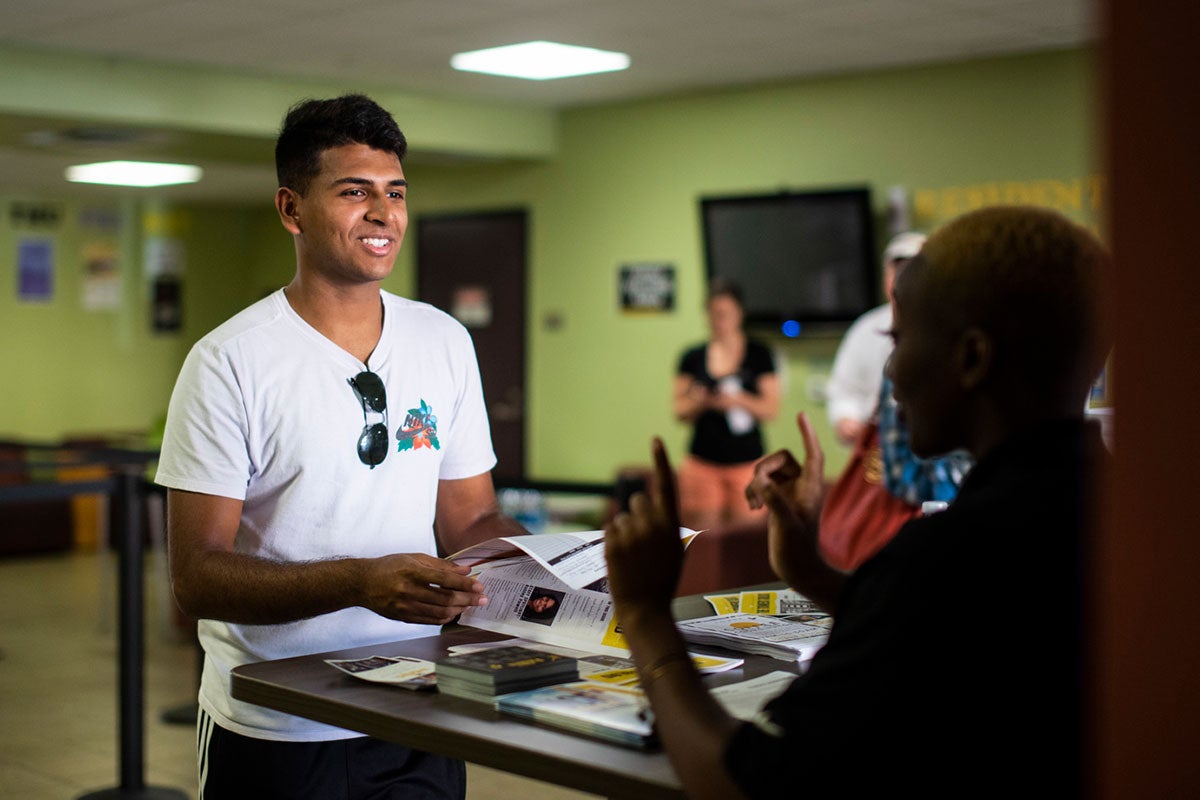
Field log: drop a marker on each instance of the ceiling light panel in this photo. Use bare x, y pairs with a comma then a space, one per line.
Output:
134, 173
540, 61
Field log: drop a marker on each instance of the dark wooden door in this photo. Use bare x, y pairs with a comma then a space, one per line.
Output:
473, 266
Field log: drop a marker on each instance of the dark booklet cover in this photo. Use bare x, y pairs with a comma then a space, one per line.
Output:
506, 666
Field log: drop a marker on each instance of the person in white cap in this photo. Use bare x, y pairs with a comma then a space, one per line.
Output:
852, 393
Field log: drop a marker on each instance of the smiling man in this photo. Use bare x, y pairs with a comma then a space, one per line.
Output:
954, 667
300, 519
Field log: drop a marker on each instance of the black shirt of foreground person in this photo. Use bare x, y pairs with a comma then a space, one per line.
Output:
953, 667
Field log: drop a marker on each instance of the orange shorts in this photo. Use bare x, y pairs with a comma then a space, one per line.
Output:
706, 487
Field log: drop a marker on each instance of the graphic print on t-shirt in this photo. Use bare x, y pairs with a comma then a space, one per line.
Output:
419, 430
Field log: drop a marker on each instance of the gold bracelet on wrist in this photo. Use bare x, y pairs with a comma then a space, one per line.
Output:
661, 666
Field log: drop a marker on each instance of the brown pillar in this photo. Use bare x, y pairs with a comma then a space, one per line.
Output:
1146, 709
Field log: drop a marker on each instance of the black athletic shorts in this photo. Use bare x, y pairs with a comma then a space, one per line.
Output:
233, 767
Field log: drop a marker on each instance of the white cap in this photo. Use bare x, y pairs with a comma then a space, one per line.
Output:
903, 245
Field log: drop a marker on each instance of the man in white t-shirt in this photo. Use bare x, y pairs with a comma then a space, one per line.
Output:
322, 448
852, 393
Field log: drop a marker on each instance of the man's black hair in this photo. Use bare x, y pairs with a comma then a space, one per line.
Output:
313, 126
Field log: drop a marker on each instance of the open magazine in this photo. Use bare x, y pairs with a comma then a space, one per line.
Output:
768, 602
548, 587
793, 638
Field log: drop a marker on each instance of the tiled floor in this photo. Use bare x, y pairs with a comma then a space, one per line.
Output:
58, 666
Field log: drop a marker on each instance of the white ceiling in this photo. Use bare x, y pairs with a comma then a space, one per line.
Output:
675, 45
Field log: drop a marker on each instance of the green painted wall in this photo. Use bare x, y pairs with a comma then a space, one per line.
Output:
623, 188
72, 368
626, 187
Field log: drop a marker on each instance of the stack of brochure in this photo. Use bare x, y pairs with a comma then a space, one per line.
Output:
785, 638
615, 714
487, 673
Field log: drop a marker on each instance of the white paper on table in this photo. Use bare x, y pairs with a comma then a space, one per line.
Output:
385, 669
746, 699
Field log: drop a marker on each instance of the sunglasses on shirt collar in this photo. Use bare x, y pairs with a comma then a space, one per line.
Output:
373, 441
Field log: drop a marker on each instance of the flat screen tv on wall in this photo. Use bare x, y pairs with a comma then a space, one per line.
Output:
805, 261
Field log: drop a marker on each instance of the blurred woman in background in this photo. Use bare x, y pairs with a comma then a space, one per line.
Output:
724, 388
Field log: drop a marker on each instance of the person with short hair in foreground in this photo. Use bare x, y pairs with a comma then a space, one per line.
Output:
954, 667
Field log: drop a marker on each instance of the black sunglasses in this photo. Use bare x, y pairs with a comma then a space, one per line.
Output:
373, 442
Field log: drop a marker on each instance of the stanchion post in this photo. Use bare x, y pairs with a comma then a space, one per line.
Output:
132, 632
131, 648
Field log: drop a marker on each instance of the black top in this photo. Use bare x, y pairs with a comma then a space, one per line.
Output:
711, 438
955, 662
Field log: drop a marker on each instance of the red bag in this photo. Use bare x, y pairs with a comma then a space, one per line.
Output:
859, 515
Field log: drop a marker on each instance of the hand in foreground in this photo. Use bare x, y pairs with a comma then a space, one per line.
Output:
798, 490
644, 555
415, 587
643, 547
793, 495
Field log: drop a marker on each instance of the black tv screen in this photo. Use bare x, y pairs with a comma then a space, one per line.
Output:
805, 261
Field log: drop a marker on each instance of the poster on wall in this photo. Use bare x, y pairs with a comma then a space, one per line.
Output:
35, 216
472, 306
164, 265
99, 258
101, 277
167, 303
163, 255
35, 270
647, 288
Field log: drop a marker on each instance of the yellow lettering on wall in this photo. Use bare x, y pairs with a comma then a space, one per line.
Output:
1068, 196
166, 223
1016, 193
1097, 187
925, 206
985, 194
1079, 198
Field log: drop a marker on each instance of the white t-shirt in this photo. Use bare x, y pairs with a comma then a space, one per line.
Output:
854, 385
262, 412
